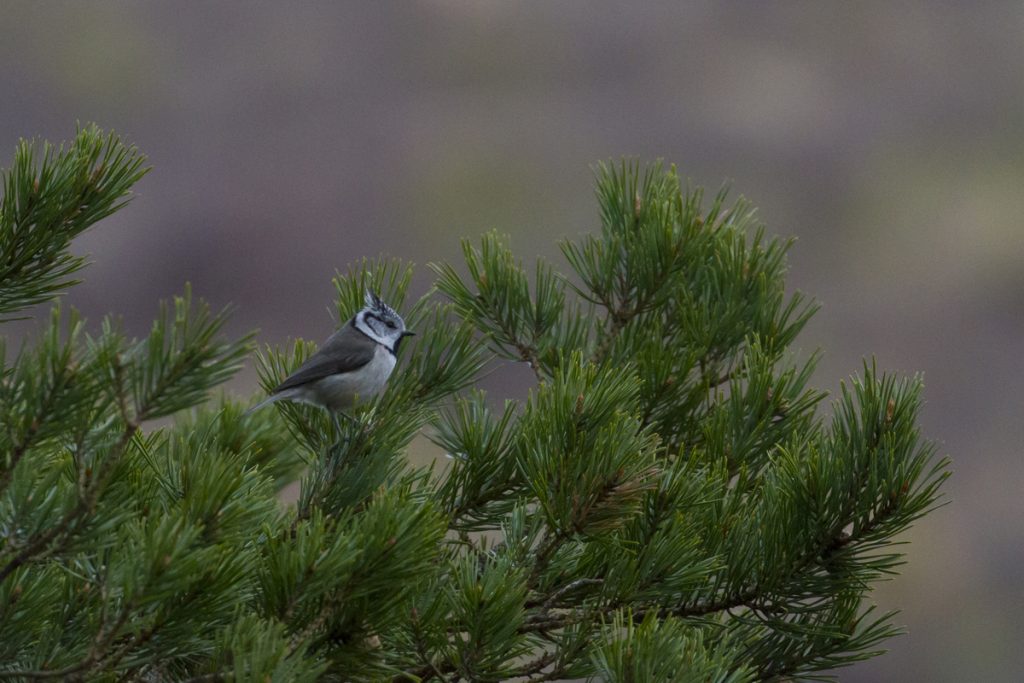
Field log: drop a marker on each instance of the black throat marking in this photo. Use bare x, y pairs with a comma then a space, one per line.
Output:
375, 341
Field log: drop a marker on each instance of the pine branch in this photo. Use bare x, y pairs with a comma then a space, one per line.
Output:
537, 665
542, 621
667, 504
49, 541
49, 198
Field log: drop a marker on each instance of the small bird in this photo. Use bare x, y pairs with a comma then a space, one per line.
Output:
354, 362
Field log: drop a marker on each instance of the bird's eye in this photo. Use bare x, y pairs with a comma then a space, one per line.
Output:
391, 325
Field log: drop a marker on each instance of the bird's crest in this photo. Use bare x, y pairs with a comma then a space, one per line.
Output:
375, 304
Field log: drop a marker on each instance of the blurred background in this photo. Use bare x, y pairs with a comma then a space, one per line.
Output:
288, 140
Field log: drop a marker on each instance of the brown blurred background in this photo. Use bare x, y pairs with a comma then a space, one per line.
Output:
289, 140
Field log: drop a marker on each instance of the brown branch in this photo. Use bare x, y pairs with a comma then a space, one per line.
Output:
563, 660
547, 550
620, 316
421, 649
85, 503
535, 666
312, 627
74, 671
147, 634
542, 622
425, 673
568, 588
33, 430
56, 673
16, 455
529, 355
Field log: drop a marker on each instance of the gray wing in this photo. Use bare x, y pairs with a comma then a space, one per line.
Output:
346, 350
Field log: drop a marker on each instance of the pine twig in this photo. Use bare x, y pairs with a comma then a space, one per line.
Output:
85, 503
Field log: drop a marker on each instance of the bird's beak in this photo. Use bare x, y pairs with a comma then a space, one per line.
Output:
408, 333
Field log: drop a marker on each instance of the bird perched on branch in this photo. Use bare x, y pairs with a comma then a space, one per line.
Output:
355, 362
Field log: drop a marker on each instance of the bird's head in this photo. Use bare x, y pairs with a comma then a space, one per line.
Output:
381, 323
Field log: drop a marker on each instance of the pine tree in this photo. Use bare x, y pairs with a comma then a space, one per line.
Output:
671, 503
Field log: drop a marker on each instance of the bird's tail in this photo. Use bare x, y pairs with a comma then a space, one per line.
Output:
268, 400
